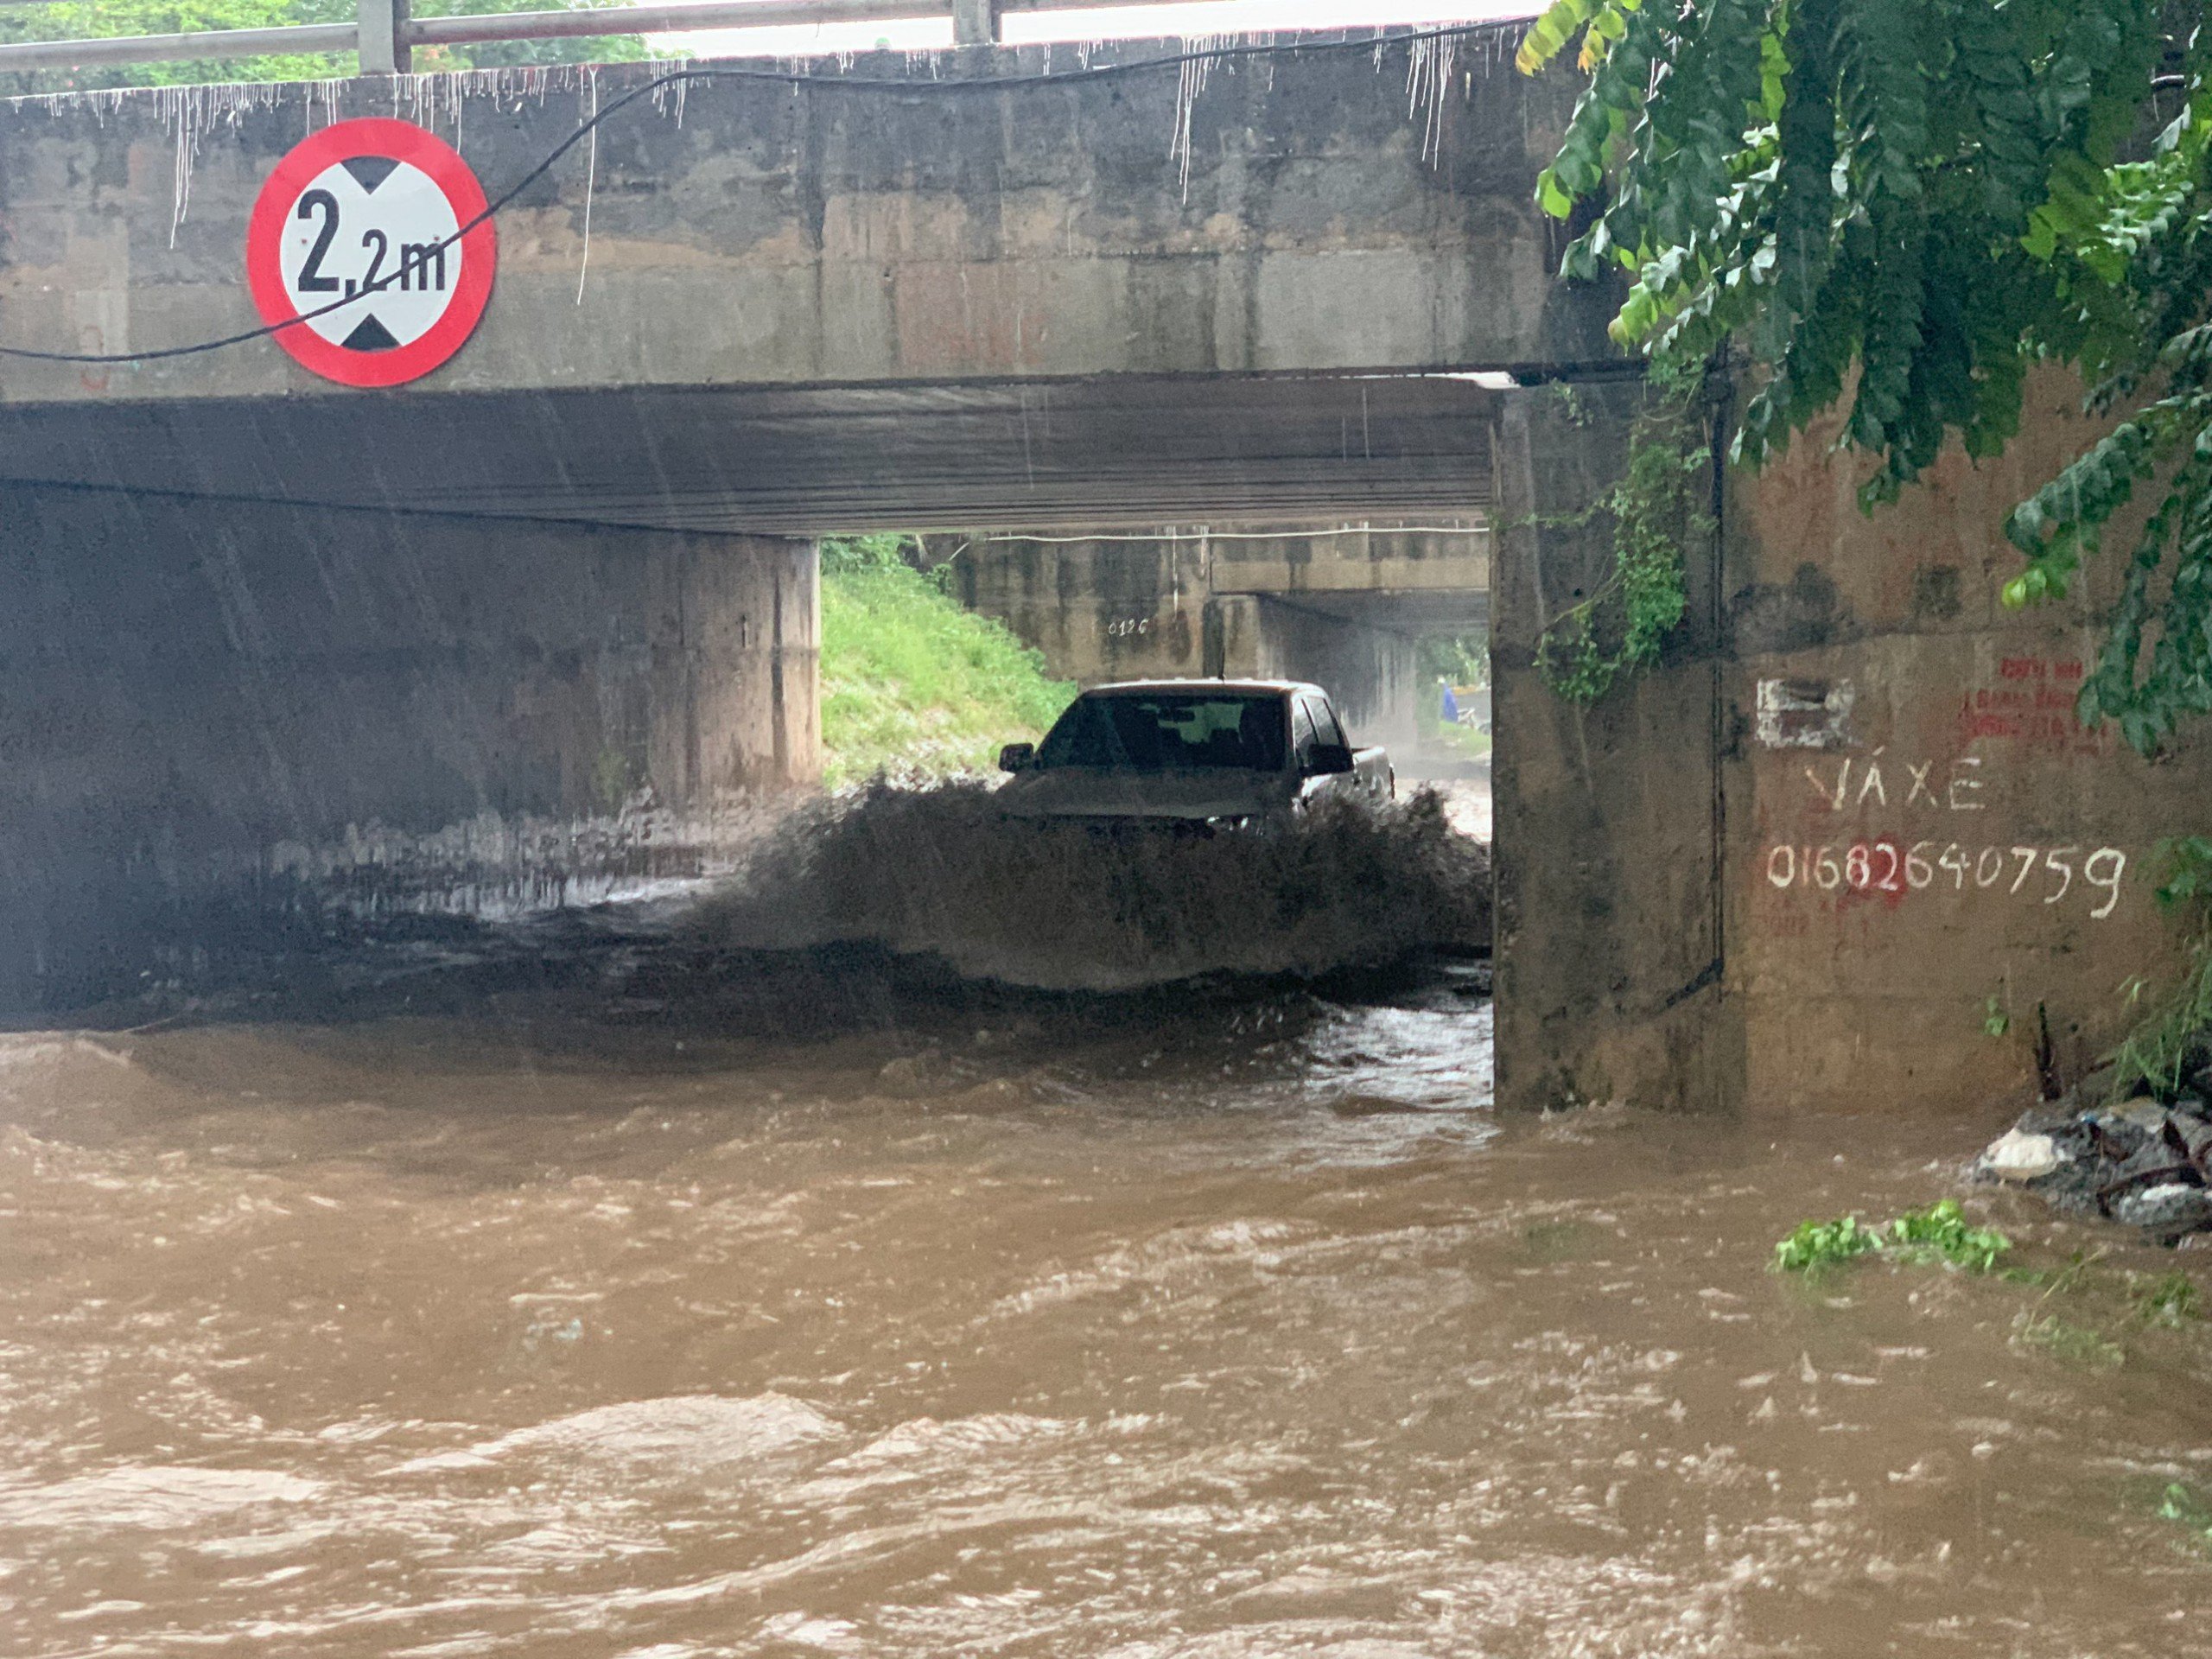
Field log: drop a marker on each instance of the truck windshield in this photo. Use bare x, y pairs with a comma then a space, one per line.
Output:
1157, 731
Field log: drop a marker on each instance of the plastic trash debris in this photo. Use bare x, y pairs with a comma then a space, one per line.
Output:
2016, 1155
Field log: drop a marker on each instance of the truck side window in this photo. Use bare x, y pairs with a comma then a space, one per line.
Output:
1302, 733
1325, 726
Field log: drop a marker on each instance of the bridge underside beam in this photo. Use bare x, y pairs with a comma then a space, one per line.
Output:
1118, 450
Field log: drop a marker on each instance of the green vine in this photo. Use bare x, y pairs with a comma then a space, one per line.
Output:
2173, 1036
1657, 512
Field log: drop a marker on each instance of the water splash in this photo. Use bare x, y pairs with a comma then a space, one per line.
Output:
688, 1432
494, 866
1066, 907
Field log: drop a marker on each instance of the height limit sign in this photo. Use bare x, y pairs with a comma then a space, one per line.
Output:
371, 240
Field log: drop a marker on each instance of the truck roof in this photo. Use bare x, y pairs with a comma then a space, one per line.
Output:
1248, 688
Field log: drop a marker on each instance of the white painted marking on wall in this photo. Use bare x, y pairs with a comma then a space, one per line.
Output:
1805, 714
1875, 864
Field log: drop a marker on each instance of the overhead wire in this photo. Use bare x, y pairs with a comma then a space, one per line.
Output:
794, 78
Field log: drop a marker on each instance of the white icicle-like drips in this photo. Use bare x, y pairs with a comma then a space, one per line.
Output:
187, 113
1428, 72
1190, 82
591, 182
191, 110
668, 100
327, 93
1493, 46
187, 145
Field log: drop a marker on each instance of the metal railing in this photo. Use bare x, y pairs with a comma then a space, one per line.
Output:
384, 34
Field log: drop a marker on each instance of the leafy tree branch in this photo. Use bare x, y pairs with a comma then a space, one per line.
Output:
1656, 513
1895, 208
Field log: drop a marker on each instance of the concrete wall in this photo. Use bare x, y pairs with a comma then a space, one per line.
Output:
1370, 671
1341, 609
1442, 562
1788, 870
1882, 699
217, 712
1611, 980
1113, 607
744, 235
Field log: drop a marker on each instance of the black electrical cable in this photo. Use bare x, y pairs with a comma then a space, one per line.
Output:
781, 77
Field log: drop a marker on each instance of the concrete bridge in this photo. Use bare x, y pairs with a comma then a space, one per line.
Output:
784, 307
1343, 605
271, 643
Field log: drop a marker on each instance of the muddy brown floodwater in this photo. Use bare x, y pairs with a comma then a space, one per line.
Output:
1229, 1325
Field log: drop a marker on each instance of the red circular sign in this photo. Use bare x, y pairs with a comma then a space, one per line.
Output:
372, 241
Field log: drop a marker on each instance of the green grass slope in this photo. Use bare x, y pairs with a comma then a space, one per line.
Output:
911, 684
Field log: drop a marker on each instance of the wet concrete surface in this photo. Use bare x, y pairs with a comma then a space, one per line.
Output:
1210, 1320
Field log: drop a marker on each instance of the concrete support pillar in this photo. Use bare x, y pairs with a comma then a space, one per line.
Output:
1231, 643
384, 49
1612, 981
975, 22
216, 716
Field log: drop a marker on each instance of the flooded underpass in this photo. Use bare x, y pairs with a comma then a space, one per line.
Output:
865, 1255
1219, 1321
501, 1153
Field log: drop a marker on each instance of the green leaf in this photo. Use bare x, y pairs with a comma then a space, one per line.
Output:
1891, 209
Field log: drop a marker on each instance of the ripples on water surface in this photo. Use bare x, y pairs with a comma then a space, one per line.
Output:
1231, 1324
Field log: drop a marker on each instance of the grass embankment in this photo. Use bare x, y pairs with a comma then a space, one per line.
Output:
1462, 740
911, 684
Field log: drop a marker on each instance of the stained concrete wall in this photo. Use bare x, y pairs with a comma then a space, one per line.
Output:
744, 235
1370, 671
1611, 930
1912, 808
1340, 606
1788, 870
1113, 607
214, 714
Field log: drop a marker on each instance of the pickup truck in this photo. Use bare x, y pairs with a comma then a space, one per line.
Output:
1192, 753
